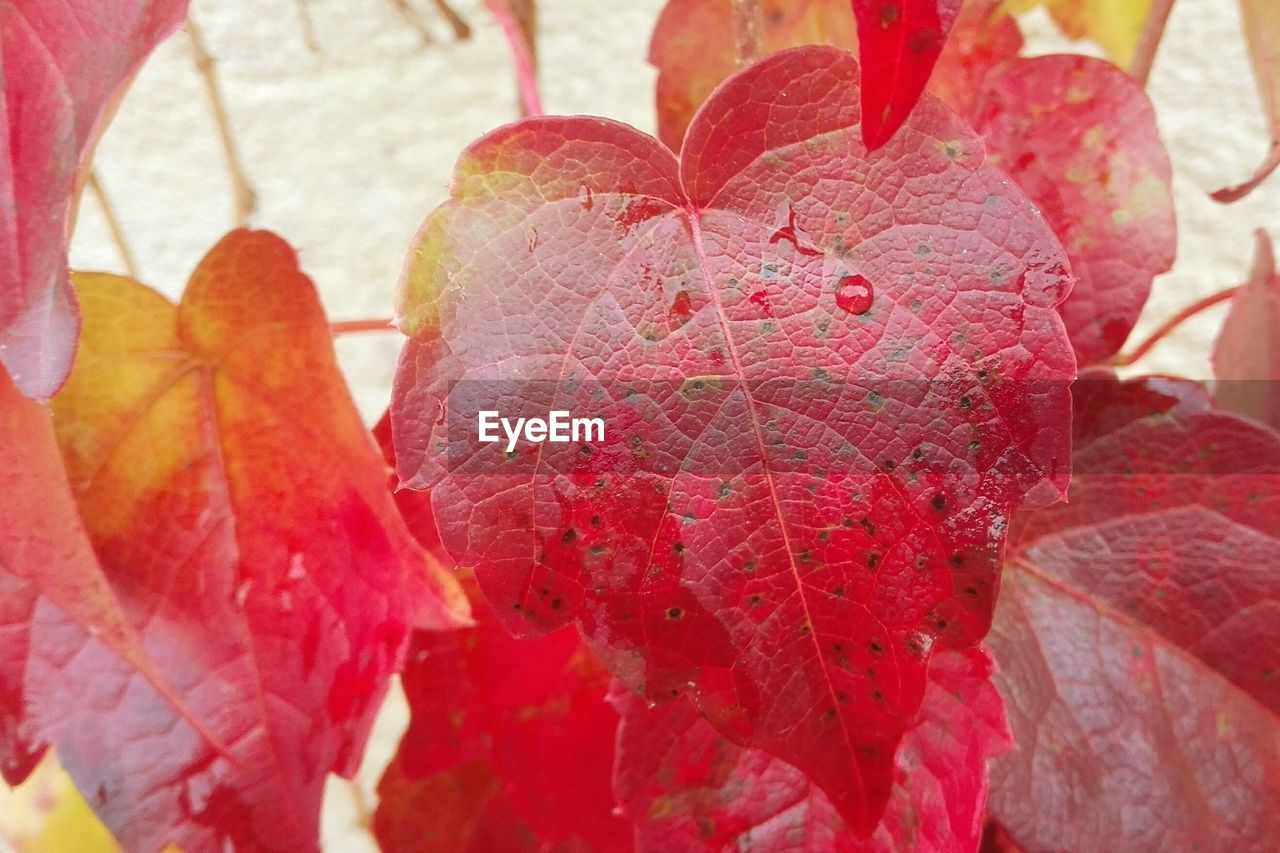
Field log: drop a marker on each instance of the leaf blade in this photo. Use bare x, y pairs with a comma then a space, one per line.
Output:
627, 536
1138, 629
63, 65
1246, 354
899, 41
239, 508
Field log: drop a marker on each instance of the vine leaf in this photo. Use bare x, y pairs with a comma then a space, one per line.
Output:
819, 406
692, 48
899, 41
1076, 134
64, 65
239, 509
1262, 35
686, 787
54, 597
1246, 356
1138, 633
1079, 137
510, 745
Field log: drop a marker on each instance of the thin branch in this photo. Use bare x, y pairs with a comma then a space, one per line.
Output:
461, 29
748, 29
1172, 323
521, 57
1144, 57
113, 224
347, 327
246, 199
361, 806
308, 29
411, 18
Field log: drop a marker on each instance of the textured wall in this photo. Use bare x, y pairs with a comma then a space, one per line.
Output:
351, 147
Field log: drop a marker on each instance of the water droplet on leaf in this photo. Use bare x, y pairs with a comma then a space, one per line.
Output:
854, 294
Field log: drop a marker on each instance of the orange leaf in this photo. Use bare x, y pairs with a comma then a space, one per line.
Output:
239, 507
53, 594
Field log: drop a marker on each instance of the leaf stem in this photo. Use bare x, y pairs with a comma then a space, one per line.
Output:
246, 199
748, 30
1172, 323
347, 327
113, 224
521, 56
1144, 57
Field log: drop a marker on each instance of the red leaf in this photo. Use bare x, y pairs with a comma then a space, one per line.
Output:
896, 437
692, 48
239, 509
1139, 633
899, 41
511, 743
519, 728
984, 37
62, 66
1246, 357
687, 788
1080, 138
54, 598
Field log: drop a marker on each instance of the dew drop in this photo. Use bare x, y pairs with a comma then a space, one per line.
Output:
854, 294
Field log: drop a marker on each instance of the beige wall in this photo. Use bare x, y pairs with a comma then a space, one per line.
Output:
349, 149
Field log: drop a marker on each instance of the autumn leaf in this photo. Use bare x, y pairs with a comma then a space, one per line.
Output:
54, 598
898, 43
1138, 633
510, 743
1079, 137
518, 730
1115, 25
819, 407
62, 65
685, 787
46, 813
1076, 134
692, 48
1246, 356
982, 40
239, 509
1262, 35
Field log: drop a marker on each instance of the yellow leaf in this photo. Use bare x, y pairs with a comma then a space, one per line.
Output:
46, 814
1114, 24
